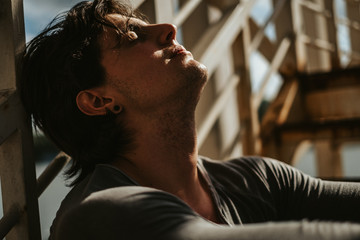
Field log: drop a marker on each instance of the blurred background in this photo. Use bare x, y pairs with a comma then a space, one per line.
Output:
284, 81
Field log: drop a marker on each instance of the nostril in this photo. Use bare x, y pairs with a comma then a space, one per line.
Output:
168, 37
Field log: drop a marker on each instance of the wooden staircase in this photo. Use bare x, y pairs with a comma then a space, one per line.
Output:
318, 107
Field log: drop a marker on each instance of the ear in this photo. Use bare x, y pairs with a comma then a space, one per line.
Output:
92, 103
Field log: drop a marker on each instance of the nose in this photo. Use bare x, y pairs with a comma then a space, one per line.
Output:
166, 33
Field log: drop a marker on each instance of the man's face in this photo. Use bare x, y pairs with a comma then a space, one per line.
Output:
150, 70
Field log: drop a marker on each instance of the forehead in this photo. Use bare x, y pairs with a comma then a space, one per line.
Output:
120, 21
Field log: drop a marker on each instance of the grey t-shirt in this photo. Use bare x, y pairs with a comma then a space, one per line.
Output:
256, 198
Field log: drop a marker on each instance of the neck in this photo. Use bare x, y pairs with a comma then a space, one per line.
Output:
165, 143
165, 158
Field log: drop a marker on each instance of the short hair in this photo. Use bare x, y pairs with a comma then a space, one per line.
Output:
60, 62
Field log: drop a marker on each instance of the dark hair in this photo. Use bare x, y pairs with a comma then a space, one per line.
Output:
60, 62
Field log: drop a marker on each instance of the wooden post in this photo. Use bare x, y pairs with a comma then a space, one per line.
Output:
353, 12
331, 32
248, 115
329, 163
284, 28
17, 168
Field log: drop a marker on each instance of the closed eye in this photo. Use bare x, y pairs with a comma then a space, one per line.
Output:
135, 33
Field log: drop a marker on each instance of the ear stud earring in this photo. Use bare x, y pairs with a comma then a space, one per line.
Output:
116, 108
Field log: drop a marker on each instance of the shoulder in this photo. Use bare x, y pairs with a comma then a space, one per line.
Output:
250, 173
242, 165
129, 212
257, 164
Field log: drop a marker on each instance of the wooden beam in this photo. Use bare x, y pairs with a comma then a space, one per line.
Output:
284, 28
267, 48
247, 113
164, 11
328, 159
17, 168
332, 34
218, 38
331, 104
279, 109
261, 32
185, 12
317, 43
274, 66
317, 8
216, 109
8, 102
354, 16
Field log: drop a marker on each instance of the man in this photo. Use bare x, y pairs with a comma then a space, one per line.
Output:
118, 95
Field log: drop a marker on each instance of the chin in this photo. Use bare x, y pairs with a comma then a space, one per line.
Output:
199, 70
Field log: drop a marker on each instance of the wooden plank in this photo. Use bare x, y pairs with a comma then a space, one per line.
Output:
51, 171
17, 169
317, 43
192, 33
267, 48
354, 16
349, 23
261, 32
216, 110
299, 45
17, 166
274, 66
284, 26
8, 115
315, 25
328, 155
164, 11
279, 109
332, 34
247, 113
7, 47
219, 37
185, 12
344, 130
337, 103
317, 8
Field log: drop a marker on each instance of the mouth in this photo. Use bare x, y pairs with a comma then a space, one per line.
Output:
177, 51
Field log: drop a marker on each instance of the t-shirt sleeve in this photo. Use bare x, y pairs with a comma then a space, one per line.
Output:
139, 213
124, 213
297, 195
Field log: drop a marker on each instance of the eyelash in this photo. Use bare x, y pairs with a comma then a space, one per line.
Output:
137, 30
133, 28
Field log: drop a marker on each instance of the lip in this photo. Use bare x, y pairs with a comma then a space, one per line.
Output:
178, 50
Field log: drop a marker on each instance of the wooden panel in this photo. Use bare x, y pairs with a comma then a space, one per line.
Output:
335, 103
